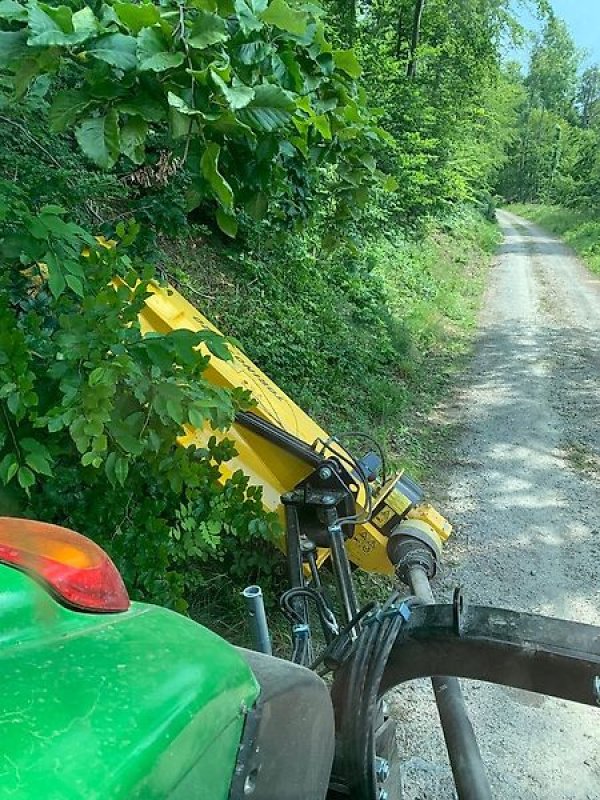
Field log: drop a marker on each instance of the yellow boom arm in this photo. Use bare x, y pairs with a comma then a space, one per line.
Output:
276, 470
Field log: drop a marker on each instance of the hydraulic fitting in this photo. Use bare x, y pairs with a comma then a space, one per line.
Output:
414, 543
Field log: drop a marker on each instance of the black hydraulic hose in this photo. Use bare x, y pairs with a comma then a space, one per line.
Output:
280, 437
467, 765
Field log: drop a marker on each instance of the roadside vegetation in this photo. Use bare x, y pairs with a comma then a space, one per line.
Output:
579, 228
362, 341
317, 180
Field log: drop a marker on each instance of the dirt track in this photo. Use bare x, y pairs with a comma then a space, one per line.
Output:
523, 491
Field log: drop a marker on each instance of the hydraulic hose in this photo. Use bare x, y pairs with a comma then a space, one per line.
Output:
463, 751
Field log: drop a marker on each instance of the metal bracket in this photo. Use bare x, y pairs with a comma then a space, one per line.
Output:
550, 656
459, 604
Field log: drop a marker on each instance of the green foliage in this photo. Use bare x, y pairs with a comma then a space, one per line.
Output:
553, 68
255, 114
363, 337
255, 86
435, 72
554, 156
90, 410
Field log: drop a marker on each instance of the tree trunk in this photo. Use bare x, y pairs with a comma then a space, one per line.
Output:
411, 70
399, 33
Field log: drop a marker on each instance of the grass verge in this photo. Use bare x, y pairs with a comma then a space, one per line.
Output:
579, 229
363, 341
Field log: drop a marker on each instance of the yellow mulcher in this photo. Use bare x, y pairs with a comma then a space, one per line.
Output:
340, 510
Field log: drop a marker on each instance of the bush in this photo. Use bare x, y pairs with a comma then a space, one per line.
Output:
90, 410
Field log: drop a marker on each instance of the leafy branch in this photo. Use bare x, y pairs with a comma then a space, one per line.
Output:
254, 100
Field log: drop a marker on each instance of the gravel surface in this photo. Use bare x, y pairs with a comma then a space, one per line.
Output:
523, 492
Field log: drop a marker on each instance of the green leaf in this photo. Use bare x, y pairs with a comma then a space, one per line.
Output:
117, 50
205, 5
390, 184
27, 73
293, 75
14, 403
369, 161
74, 283
98, 376
247, 11
8, 468
121, 469
26, 478
84, 22
208, 29
56, 279
109, 468
74, 267
182, 107
257, 206
52, 26
44, 28
227, 223
29, 445
98, 137
237, 95
346, 61
179, 124
13, 46
67, 107
162, 61
321, 123
87, 459
100, 444
38, 463
210, 169
217, 345
253, 52
197, 418
153, 52
269, 110
12, 11
280, 14
133, 137
229, 125
143, 105
136, 17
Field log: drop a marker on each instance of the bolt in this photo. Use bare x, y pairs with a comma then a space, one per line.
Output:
382, 769
596, 689
325, 473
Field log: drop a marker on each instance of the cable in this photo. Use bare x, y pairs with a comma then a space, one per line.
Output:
342, 641
378, 446
356, 691
326, 614
302, 650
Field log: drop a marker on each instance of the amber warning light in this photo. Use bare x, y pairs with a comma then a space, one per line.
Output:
75, 570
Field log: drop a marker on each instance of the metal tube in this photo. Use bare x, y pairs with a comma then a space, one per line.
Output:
258, 619
343, 576
463, 751
294, 557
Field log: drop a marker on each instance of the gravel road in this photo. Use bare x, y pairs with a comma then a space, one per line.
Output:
523, 491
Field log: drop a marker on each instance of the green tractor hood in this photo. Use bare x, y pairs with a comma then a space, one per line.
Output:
141, 704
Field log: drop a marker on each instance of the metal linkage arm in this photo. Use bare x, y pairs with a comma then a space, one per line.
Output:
540, 654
